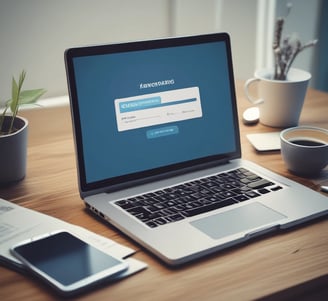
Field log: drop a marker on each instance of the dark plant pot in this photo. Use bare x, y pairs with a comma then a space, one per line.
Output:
13, 152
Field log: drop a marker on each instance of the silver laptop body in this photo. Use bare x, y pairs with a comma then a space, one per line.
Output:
152, 118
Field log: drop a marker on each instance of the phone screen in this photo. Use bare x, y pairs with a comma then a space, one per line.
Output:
66, 258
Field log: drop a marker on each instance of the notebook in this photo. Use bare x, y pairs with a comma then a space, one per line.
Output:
158, 148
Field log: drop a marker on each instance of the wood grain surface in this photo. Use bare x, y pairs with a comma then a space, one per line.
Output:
276, 267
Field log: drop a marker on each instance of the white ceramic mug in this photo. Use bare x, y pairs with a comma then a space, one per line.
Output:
280, 102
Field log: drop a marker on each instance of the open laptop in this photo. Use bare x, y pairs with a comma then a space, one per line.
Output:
158, 148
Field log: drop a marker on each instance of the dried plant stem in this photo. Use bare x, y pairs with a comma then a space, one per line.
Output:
285, 50
276, 46
296, 52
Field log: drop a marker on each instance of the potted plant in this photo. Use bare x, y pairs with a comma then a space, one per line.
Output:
282, 89
13, 132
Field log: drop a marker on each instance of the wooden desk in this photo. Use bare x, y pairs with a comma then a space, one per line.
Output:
273, 265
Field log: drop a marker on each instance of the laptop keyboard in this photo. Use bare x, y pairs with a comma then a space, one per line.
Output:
195, 197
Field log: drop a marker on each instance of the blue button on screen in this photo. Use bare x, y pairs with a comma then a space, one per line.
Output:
162, 131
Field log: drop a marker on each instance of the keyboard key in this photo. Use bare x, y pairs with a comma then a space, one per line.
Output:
259, 184
208, 208
276, 188
161, 221
252, 194
151, 224
241, 198
125, 204
226, 194
175, 217
138, 211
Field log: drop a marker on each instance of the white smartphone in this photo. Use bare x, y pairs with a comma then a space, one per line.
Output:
67, 263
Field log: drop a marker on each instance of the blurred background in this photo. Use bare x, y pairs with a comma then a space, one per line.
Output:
35, 33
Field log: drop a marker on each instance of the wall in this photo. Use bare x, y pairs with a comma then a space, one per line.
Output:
233, 16
35, 33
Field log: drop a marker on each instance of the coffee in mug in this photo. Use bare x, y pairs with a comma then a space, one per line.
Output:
305, 149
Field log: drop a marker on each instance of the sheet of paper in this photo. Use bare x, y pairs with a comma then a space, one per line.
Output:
18, 223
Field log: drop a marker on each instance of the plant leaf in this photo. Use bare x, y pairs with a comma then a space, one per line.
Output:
14, 96
21, 79
30, 96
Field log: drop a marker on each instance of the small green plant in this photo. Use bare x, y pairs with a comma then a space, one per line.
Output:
286, 49
18, 98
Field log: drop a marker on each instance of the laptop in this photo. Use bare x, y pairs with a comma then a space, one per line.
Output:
158, 148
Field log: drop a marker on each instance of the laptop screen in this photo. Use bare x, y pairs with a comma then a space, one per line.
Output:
148, 108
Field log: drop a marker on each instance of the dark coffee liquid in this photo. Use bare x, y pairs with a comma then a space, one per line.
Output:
307, 143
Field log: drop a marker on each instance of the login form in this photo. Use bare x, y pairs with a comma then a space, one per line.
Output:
158, 108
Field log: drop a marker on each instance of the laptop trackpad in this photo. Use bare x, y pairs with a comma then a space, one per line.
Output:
236, 220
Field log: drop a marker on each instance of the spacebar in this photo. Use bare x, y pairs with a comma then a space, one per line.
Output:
207, 208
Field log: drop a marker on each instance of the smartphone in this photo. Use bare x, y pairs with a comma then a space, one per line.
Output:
69, 264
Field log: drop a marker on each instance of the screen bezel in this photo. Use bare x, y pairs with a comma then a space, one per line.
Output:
120, 182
